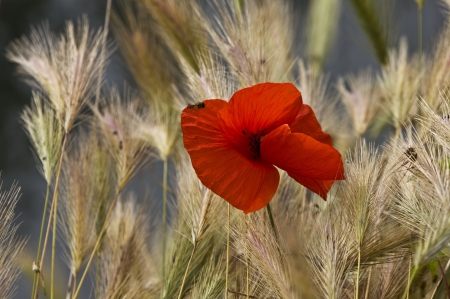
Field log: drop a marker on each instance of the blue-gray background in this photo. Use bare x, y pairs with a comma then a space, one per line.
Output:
350, 53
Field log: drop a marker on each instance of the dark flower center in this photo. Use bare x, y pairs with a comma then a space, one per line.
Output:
255, 142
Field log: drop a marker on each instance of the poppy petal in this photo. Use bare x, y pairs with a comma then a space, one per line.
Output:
247, 185
303, 158
306, 123
320, 187
258, 109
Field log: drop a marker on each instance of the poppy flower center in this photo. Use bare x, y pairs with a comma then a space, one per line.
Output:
254, 142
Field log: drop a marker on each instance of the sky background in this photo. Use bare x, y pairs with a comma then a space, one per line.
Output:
350, 53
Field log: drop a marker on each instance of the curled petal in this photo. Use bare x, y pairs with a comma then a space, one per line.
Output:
247, 185
306, 123
259, 108
303, 158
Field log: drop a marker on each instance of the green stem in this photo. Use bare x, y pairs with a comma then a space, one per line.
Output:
419, 16
228, 254
447, 288
357, 273
40, 238
368, 283
97, 275
55, 210
55, 218
240, 5
97, 243
35, 278
411, 273
272, 223
187, 269
440, 281
52, 208
164, 220
248, 280
248, 261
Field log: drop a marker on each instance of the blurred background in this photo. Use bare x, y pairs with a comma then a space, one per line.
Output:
349, 53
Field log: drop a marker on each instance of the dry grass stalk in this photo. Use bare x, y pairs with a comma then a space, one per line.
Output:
129, 152
87, 188
11, 246
195, 234
316, 94
209, 82
437, 68
146, 53
125, 272
65, 68
46, 134
400, 81
392, 206
267, 258
248, 35
159, 129
331, 254
181, 27
361, 99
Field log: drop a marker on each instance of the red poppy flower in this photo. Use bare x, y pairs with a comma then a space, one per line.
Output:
234, 145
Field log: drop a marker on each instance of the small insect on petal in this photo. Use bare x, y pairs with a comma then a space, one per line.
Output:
198, 105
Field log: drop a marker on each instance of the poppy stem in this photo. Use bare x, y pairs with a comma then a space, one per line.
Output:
272, 223
248, 260
274, 228
228, 254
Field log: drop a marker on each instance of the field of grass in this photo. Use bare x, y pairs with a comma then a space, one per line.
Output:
383, 232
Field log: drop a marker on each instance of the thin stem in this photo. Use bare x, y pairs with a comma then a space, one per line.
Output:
40, 238
444, 277
419, 16
54, 200
69, 286
97, 243
274, 228
272, 223
411, 272
248, 281
55, 218
439, 282
357, 273
97, 275
398, 130
35, 279
228, 253
240, 294
187, 269
164, 220
74, 283
248, 260
368, 283
102, 54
